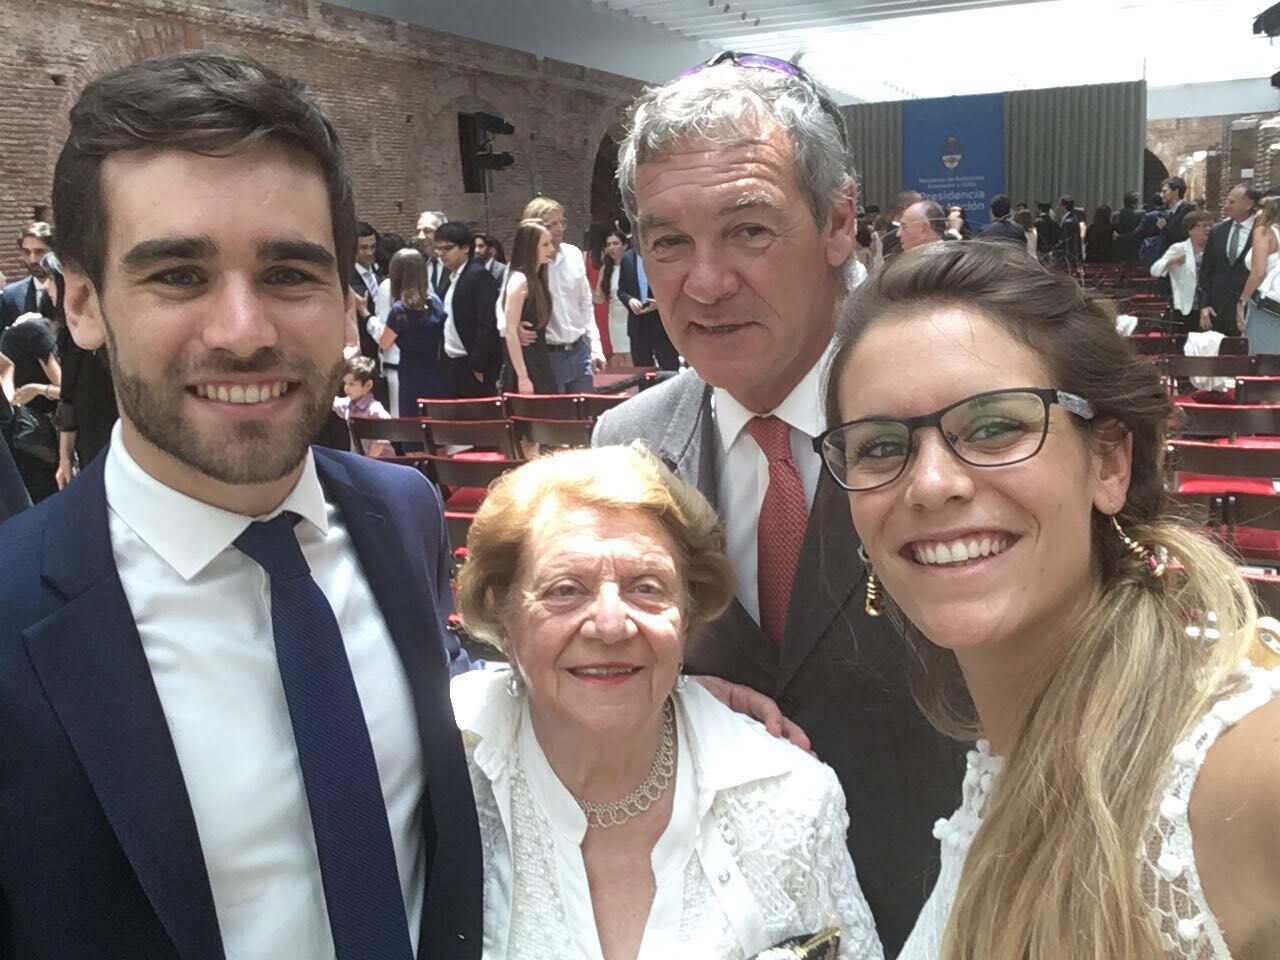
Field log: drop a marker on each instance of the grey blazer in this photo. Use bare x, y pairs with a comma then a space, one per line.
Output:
838, 673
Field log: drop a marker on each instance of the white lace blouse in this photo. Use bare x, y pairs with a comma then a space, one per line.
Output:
1166, 862
754, 852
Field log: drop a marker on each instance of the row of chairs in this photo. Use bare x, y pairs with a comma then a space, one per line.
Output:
464, 445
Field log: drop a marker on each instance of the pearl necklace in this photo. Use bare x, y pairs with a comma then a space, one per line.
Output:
655, 785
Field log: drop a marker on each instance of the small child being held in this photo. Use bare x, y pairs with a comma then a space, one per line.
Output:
357, 384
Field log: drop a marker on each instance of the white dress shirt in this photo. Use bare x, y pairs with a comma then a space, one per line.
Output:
1182, 276
377, 322
744, 476
452, 342
370, 277
573, 315
1245, 228
754, 851
202, 609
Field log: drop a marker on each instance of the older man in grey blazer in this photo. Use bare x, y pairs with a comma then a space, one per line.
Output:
746, 228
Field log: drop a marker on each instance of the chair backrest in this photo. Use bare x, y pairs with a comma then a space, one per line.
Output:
1257, 389
555, 433
1266, 587
487, 434
1223, 460
395, 429
1160, 345
465, 472
470, 408
1233, 347
544, 406
595, 404
1227, 420
1229, 366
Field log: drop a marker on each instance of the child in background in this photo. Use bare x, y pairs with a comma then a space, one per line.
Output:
357, 384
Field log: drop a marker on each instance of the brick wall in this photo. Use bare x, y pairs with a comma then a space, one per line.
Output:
392, 90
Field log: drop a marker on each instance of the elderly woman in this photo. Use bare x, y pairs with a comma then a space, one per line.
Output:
625, 813
1002, 448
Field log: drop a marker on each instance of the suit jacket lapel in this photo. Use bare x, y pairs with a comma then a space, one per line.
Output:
94, 671
690, 446
1244, 247
826, 580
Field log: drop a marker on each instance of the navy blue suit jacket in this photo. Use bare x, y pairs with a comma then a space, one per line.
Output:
629, 287
99, 855
16, 299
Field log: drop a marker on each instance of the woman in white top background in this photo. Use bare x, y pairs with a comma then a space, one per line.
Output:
1181, 264
1003, 449
625, 814
606, 291
1259, 319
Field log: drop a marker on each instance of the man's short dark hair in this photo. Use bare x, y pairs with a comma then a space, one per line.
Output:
1067, 203
1176, 184
204, 103
1000, 205
40, 230
455, 232
1042, 206
1253, 196
361, 369
1132, 199
365, 230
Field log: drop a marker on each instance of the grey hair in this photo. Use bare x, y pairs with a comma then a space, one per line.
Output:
439, 216
725, 105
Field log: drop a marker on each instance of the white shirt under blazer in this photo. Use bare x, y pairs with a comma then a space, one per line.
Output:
203, 614
754, 852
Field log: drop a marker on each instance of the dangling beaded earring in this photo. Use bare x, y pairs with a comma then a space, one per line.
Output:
1155, 566
682, 678
871, 604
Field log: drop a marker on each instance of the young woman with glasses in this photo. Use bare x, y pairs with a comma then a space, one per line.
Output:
1003, 452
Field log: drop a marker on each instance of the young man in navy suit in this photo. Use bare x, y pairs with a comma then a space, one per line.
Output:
23, 296
223, 670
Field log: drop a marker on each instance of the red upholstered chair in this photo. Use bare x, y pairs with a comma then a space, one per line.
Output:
1157, 344
554, 433
406, 430
490, 439
469, 408
1256, 389
1232, 483
595, 404
464, 481
545, 406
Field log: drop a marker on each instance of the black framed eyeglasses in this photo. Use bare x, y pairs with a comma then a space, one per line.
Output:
760, 61
992, 429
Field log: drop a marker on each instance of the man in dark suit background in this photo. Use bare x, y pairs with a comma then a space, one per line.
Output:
190, 769
1070, 246
1127, 222
471, 340
650, 345
23, 296
891, 243
1046, 230
1002, 226
1173, 192
364, 281
1223, 273
748, 257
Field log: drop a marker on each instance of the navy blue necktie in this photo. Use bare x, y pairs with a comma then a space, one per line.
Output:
348, 813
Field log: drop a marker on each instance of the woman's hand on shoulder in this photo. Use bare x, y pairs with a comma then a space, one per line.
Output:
1235, 819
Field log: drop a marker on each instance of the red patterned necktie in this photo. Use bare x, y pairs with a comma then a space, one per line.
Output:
783, 518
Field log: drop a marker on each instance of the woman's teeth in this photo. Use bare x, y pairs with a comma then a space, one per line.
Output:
960, 551
603, 671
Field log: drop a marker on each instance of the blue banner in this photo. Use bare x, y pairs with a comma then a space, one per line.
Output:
953, 151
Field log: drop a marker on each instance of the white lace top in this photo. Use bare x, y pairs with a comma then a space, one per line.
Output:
754, 852
1166, 862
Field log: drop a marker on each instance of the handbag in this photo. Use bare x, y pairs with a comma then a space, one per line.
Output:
817, 946
34, 434
1151, 250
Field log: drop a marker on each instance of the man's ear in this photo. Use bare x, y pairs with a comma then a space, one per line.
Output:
83, 309
842, 226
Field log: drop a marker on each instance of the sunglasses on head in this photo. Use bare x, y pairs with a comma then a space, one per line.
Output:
760, 61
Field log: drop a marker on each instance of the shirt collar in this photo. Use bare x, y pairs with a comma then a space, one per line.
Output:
186, 533
454, 276
1247, 223
803, 408
726, 751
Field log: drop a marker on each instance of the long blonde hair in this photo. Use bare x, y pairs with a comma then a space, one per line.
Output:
1052, 873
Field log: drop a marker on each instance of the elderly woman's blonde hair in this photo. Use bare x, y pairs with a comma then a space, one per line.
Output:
615, 479
542, 208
